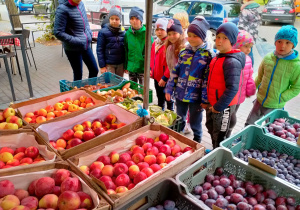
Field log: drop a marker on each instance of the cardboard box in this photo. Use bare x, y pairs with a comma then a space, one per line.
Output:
54, 130
27, 138
23, 177
40, 103
124, 143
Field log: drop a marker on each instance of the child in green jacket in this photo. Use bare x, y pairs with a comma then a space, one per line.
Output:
278, 79
134, 42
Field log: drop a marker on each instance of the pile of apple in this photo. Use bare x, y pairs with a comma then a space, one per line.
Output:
85, 131
59, 109
284, 129
9, 120
21, 156
121, 172
227, 192
61, 191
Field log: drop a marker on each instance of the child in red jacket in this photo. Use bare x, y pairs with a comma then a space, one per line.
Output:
159, 68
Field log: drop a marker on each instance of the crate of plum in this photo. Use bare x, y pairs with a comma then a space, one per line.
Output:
276, 153
221, 180
278, 123
164, 195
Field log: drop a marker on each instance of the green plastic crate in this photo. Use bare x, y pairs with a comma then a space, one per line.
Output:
221, 157
165, 190
252, 137
105, 78
176, 124
133, 86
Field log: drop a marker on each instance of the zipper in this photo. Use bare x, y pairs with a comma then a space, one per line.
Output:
217, 97
279, 98
241, 87
87, 41
189, 72
270, 81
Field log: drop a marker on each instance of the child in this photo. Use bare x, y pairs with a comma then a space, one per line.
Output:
278, 79
189, 77
135, 46
183, 18
247, 85
175, 42
110, 45
223, 82
159, 68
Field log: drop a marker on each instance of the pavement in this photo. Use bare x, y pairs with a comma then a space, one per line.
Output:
52, 67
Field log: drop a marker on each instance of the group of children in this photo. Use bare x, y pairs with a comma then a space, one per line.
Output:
186, 68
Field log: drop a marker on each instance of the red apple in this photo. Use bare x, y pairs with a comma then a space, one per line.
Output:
32, 152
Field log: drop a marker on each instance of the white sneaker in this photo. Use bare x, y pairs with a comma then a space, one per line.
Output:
187, 129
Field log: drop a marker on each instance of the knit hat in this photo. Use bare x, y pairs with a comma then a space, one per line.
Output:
288, 32
230, 30
199, 26
161, 23
136, 12
174, 25
243, 38
115, 12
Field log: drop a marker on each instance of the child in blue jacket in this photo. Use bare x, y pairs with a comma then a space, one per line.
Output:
189, 77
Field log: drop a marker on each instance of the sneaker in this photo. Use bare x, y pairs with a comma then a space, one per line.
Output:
187, 129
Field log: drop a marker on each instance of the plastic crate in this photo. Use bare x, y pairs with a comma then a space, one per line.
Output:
221, 157
165, 190
176, 124
105, 78
252, 137
133, 86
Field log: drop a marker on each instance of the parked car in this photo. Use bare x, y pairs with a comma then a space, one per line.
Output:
25, 5
215, 12
282, 11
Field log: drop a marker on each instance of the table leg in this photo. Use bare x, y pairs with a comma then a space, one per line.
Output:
9, 78
13, 67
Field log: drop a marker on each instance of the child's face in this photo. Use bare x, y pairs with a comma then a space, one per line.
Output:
283, 46
222, 43
194, 40
160, 33
173, 36
114, 21
246, 48
135, 23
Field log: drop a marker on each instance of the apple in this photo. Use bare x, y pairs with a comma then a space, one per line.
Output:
72, 108
99, 131
9, 112
96, 125
82, 98
42, 112
7, 149
74, 142
88, 135
78, 127
78, 134
29, 114
14, 119
86, 124
68, 200
11, 126
50, 114
60, 175
85, 200
3, 125
2, 118
141, 140
32, 152
41, 119
58, 106
110, 118
70, 184
49, 108
68, 134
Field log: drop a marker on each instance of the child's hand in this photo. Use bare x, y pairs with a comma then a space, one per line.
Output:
213, 110
168, 97
125, 71
161, 83
103, 70
204, 106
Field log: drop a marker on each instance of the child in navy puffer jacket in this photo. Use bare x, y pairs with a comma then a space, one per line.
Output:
189, 77
110, 45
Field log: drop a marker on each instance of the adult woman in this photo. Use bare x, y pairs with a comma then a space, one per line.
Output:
72, 28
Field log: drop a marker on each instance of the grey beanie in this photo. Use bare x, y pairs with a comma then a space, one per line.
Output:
199, 26
161, 23
136, 12
115, 12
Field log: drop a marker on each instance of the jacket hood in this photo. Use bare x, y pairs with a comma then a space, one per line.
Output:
237, 54
293, 56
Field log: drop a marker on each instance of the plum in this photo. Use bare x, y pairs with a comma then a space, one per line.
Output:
296, 125
236, 198
209, 178
231, 177
290, 207
258, 207
290, 201
243, 206
206, 186
227, 198
204, 197
269, 201
251, 190
229, 190
280, 201
270, 207
212, 194
216, 182
252, 201
225, 182
152, 208
219, 171
281, 207
169, 205
220, 189
237, 183
210, 202
259, 188
241, 191
271, 194
298, 207
221, 202
198, 190
231, 206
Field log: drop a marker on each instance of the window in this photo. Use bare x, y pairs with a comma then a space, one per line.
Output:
232, 10
182, 6
167, 3
201, 8
279, 2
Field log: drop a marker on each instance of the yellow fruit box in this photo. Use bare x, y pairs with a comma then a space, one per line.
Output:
22, 178
123, 144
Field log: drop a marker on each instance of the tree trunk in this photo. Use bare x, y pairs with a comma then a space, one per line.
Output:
12, 10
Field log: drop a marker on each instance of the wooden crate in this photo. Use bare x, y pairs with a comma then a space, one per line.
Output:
170, 170
33, 171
